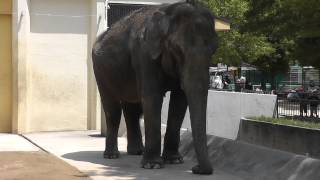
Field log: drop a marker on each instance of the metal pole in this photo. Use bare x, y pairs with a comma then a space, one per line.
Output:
277, 106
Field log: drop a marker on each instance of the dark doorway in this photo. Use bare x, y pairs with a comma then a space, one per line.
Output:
117, 11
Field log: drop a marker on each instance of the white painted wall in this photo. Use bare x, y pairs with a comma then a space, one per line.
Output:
20, 32
225, 109
53, 83
58, 64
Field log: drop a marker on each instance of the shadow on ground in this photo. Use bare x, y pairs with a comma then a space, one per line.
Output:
232, 160
128, 167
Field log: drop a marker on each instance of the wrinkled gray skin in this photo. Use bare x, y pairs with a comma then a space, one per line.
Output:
154, 50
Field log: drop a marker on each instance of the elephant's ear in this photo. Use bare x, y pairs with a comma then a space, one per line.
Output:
156, 30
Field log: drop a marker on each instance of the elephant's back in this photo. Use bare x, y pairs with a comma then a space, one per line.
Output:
120, 33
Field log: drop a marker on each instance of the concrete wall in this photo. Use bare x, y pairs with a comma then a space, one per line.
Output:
5, 66
293, 139
20, 31
54, 86
57, 61
225, 109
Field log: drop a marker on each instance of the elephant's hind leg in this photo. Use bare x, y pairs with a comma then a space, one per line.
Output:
113, 115
132, 113
177, 110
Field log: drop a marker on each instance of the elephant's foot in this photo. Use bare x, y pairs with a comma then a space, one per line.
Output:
172, 158
202, 170
155, 163
111, 154
135, 150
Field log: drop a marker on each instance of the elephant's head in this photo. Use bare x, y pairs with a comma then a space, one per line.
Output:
183, 38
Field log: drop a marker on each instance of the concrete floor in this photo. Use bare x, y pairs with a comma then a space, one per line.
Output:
22, 160
233, 160
84, 149
36, 165
13, 142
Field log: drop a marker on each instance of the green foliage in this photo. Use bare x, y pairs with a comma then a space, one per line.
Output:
231, 9
296, 21
305, 30
238, 46
308, 51
285, 121
303, 16
269, 33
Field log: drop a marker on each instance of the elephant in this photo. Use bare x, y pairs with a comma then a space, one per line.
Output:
147, 53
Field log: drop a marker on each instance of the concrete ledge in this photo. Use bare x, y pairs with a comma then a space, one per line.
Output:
253, 162
293, 139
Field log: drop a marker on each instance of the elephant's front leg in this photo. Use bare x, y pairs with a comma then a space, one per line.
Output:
177, 109
152, 119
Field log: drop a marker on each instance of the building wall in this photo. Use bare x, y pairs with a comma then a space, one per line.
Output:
5, 66
57, 56
54, 88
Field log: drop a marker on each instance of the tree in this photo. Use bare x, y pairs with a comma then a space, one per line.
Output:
237, 46
270, 34
247, 41
265, 17
296, 21
305, 30
308, 51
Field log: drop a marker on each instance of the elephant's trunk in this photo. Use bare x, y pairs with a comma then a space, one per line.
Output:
195, 85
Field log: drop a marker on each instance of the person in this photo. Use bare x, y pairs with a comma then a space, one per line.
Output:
242, 83
237, 85
217, 82
226, 82
248, 85
313, 99
312, 86
303, 102
258, 89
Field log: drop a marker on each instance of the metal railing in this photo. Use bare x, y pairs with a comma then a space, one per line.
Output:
304, 106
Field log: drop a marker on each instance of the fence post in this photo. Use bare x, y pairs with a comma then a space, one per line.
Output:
276, 111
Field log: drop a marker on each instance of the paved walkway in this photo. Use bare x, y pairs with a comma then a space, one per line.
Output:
84, 149
36, 165
13, 142
21, 160
234, 160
